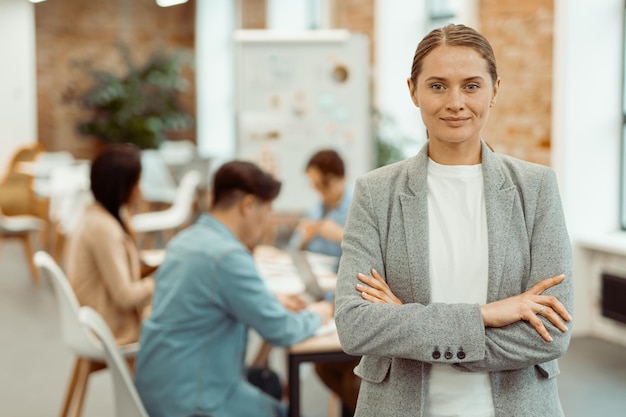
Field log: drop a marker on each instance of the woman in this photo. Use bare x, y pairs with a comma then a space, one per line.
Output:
102, 259
321, 230
464, 312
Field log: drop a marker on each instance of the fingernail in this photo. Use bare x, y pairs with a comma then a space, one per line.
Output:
359, 286
374, 271
549, 338
360, 275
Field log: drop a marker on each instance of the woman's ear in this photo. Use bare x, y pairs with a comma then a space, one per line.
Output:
496, 89
412, 91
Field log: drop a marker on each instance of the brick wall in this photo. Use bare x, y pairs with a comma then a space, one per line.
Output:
521, 35
520, 32
73, 31
356, 16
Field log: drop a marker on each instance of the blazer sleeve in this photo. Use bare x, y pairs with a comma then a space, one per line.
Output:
112, 262
415, 331
410, 331
249, 300
519, 345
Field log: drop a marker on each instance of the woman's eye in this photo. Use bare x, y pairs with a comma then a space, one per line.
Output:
472, 86
437, 86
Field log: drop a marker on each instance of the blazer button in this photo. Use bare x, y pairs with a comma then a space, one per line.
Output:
460, 354
448, 355
436, 354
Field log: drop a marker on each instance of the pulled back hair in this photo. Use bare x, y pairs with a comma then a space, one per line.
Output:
454, 35
114, 174
236, 178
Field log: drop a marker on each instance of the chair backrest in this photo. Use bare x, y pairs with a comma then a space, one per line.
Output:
157, 183
177, 152
70, 194
187, 191
75, 336
127, 400
176, 215
47, 161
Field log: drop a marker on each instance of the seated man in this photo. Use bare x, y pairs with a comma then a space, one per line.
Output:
208, 294
321, 230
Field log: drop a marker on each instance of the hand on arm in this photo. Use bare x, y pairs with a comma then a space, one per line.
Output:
376, 289
528, 306
308, 229
329, 230
324, 309
292, 302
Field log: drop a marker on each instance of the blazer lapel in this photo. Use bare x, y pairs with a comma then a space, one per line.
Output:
499, 197
414, 205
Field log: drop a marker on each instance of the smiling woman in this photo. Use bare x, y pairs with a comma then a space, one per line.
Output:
467, 315
454, 89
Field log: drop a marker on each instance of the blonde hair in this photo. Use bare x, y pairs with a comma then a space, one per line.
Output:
454, 35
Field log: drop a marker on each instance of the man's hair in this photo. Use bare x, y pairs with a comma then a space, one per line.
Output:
235, 179
328, 162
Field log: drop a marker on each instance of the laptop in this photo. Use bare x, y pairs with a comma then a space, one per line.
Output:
309, 279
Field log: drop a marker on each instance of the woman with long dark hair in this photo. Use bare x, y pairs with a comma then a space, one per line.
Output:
102, 259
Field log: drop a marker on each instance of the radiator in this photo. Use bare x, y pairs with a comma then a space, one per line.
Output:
614, 297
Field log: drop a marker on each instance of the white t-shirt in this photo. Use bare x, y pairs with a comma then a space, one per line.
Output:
458, 274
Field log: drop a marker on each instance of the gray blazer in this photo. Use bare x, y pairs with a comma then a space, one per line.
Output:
387, 229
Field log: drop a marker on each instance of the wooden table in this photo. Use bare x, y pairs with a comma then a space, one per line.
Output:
316, 349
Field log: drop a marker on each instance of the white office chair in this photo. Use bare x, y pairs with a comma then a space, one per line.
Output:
177, 152
69, 195
43, 166
175, 216
90, 356
127, 401
21, 227
157, 183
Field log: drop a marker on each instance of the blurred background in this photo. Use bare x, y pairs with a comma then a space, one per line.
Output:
204, 81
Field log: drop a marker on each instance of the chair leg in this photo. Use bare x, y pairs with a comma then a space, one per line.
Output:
333, 405
58, 244
70, 388
28, 250
77, 389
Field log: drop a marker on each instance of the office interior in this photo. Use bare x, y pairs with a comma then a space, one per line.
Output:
561, 105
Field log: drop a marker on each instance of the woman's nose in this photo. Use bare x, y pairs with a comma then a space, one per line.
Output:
455, 100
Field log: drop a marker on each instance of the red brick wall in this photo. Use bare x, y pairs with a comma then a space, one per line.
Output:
356, 16
521, 35
520, 32
76, 30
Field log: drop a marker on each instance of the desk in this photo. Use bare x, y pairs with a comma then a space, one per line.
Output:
316, 349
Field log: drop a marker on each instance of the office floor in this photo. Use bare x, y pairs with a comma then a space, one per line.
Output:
35, 366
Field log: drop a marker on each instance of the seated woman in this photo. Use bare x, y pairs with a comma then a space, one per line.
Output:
102, 260
321, 231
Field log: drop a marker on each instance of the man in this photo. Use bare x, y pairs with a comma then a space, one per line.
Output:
208, 294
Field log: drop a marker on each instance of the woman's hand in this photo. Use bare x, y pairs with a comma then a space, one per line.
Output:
528, 306
376, 290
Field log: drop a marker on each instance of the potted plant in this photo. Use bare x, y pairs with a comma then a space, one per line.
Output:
141, 106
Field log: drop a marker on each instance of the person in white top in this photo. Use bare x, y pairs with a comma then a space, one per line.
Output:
468, 313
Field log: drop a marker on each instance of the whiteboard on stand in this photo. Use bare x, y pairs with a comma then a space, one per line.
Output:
299, 93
